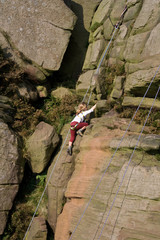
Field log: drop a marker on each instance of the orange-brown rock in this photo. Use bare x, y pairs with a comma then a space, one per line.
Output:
130, 211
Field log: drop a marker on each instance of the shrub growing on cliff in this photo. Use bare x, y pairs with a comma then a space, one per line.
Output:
58, 112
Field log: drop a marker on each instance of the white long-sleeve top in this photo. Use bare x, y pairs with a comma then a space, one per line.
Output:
81, 116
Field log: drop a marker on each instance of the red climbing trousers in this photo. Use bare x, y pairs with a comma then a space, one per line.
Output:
74, 127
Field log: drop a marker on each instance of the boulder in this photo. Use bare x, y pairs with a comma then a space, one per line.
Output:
34, 28
135, 101
38, 229
40, 146
61, 92
11, 171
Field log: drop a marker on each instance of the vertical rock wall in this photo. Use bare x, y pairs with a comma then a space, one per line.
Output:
134, 214
11, 171
135, 46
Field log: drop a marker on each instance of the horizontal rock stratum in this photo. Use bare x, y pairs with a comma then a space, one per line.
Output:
135, 212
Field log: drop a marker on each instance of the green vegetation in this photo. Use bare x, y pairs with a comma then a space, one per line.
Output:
111, 72
27, 115
141, 116
25, 205
53, 111
58, 112
95, 26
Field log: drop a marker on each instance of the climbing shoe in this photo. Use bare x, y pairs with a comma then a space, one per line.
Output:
80, 133
69, 151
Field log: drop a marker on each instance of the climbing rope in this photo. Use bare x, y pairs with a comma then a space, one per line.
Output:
125, 193
45, 187
87, 205
65, 141
99, 65
128, 164
116, 27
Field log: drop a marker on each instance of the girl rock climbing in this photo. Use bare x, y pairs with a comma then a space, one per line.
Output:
78, 125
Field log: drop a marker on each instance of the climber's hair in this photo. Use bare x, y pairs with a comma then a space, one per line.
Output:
81, 107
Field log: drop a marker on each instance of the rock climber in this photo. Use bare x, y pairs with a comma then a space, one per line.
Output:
78, 125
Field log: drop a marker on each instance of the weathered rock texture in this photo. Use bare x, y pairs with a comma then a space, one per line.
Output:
41, 145
135, 46
37, 32
38, 229
11, 171
75, 54
135, 212
61, 92
58, 181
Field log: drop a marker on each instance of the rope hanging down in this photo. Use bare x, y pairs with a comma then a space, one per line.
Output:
66, 140
116, 27
87, 205
128, 164
45, 187
97, 70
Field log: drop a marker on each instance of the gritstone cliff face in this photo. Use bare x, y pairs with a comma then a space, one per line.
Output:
135, 213
49, 39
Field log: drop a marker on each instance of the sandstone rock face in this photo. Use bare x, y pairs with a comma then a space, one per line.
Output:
11, 171
61, 92
127, 213
40, 30
41, 145
148, 143
38, 229
84, 81
135, 46
117, 87
93, 54
59, 179
135, 101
